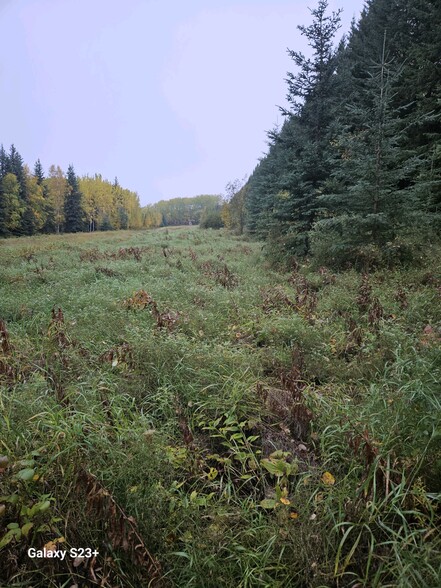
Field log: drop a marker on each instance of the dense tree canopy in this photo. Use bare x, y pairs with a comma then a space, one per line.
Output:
63, 202
184, 211
355, 170
31, 203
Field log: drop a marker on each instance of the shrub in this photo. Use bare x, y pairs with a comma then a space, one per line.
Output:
211, 219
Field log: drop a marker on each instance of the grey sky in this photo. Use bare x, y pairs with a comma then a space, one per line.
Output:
173, 97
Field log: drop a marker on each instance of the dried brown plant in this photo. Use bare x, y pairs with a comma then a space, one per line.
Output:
120, 529
364, 298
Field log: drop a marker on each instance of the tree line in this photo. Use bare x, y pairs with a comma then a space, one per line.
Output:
354, 173
184, 211
31, 202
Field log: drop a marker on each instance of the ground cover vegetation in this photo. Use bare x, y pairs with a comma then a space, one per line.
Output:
205, 419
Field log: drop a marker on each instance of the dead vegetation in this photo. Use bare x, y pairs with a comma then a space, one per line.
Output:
7, 369
121, 534
95, 254
120, 354
287, 402
220, 273
140, 300
306, 295
106, 271
276, 299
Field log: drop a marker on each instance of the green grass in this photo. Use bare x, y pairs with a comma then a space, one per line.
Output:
204, 441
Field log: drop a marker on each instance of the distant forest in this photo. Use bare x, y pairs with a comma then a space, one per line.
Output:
32, 203
354, 173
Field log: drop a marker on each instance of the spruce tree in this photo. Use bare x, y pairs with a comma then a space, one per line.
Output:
357, 164
3, 172
38, 172
382, 181
261, 190
304, 141
367, 206
4, 163
16, 166
421, 91
73, 211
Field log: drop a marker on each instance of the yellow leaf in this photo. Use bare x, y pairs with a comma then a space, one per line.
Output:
50, 546
284, 500
294, 515
328, 479
36, 477
212, 473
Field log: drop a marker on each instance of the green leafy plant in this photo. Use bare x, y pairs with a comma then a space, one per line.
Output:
30, 512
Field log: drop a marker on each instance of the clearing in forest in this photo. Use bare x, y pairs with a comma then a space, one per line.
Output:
201, 418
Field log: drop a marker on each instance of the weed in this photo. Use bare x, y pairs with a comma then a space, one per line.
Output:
106, 271
364, 298
221, 274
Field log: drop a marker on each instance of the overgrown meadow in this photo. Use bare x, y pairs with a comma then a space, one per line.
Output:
204, 419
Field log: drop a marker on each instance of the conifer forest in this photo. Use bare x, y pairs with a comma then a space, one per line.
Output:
238, 390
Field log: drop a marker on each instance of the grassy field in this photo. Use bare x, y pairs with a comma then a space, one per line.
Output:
203, 419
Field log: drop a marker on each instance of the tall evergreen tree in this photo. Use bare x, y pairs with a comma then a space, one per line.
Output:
38, 172
382, 182
3, 171
358, 162
367, 206
288, 181
16, 166
4, 162
73, 210
312, 94
421, 91
262, 188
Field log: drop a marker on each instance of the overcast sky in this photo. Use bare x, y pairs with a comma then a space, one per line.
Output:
172, 96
